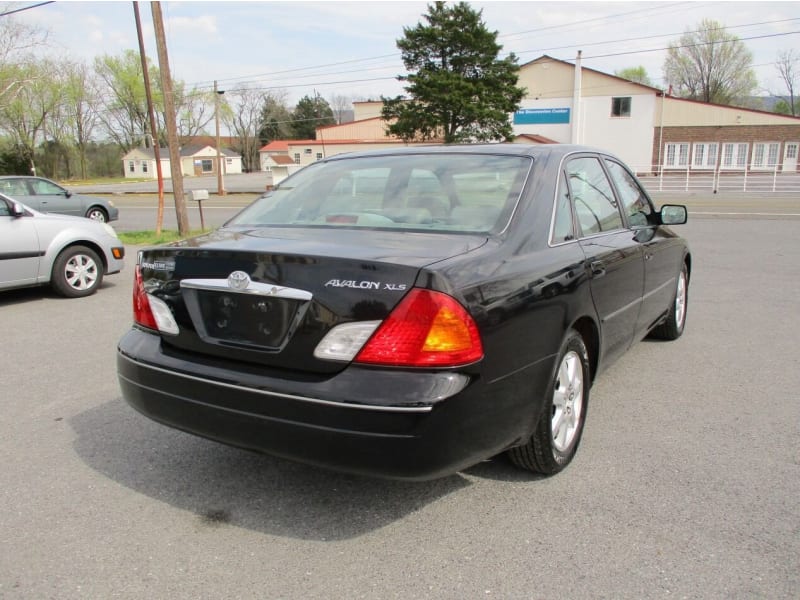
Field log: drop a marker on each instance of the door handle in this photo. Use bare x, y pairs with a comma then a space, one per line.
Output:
597, 268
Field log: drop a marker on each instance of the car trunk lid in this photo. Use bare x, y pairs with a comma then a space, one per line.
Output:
268, 296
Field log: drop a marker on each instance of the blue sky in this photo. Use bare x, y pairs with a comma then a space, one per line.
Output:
348, 48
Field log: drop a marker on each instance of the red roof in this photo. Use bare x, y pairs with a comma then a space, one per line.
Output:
282, 159
325, 142
276, 146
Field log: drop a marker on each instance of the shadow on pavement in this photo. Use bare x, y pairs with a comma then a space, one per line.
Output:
223, 485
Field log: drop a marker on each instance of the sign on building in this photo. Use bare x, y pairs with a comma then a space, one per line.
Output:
541, 116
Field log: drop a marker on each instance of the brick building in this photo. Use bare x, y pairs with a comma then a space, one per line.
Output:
648, 128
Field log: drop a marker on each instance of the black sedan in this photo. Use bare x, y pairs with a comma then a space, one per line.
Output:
409, 313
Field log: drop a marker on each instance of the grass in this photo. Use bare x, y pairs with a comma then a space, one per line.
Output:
149, 238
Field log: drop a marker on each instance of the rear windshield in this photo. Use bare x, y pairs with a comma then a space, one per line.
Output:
445, 192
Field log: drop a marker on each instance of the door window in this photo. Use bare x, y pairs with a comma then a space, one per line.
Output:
634, 200
595, 204
42, 187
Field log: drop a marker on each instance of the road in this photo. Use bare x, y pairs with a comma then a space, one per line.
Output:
686, 485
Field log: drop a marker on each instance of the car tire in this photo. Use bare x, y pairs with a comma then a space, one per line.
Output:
77, 272
558, 432
672, 327
95, 213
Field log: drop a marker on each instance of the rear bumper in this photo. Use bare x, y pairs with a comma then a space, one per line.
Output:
379, 422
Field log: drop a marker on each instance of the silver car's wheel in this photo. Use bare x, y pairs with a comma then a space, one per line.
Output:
97, 214
77, 272
567, 402
558, 432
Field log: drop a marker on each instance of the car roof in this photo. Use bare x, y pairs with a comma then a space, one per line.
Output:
529, 150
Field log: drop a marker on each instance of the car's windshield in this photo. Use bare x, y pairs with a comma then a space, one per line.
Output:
435, 191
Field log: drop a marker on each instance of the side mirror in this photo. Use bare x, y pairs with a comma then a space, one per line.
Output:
17, 210
68, 194
673, 214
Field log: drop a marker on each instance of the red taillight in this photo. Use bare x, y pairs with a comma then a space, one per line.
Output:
427, 329
142, 313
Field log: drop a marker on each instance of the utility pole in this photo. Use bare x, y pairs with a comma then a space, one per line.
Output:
169, 117
220, 181
153, 130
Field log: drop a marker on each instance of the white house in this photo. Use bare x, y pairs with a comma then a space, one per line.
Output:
196, 159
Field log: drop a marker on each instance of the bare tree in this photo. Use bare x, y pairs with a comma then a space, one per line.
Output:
241, 113
342, 107
788, 66
195, 111
74, 120
710, 65
17, 40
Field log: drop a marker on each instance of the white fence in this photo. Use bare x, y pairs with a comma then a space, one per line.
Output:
689, 180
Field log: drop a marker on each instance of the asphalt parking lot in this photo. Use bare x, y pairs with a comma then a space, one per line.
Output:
687, 483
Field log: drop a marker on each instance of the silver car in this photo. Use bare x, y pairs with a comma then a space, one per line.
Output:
72, 254
47, 196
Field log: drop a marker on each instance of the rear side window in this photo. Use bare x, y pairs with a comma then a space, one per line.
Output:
14, 187
437, 191
563, 227
595, 204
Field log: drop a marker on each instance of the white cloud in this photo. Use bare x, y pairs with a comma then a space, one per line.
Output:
205, 24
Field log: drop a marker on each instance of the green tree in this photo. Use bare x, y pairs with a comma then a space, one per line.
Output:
23, 115
710, 65
635, 74
125, 117
458, 87
275, 120
309, 114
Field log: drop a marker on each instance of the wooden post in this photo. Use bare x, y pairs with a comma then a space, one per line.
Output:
220, 181
153, 130
169, 117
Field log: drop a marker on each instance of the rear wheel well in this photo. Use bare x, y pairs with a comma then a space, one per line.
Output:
591, 338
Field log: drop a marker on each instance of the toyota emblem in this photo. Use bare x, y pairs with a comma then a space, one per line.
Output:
238, 280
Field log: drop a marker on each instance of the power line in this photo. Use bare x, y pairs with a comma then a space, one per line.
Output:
651, 37
271, 75
19, 10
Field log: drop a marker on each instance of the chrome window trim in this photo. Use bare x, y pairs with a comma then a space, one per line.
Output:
577, 154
